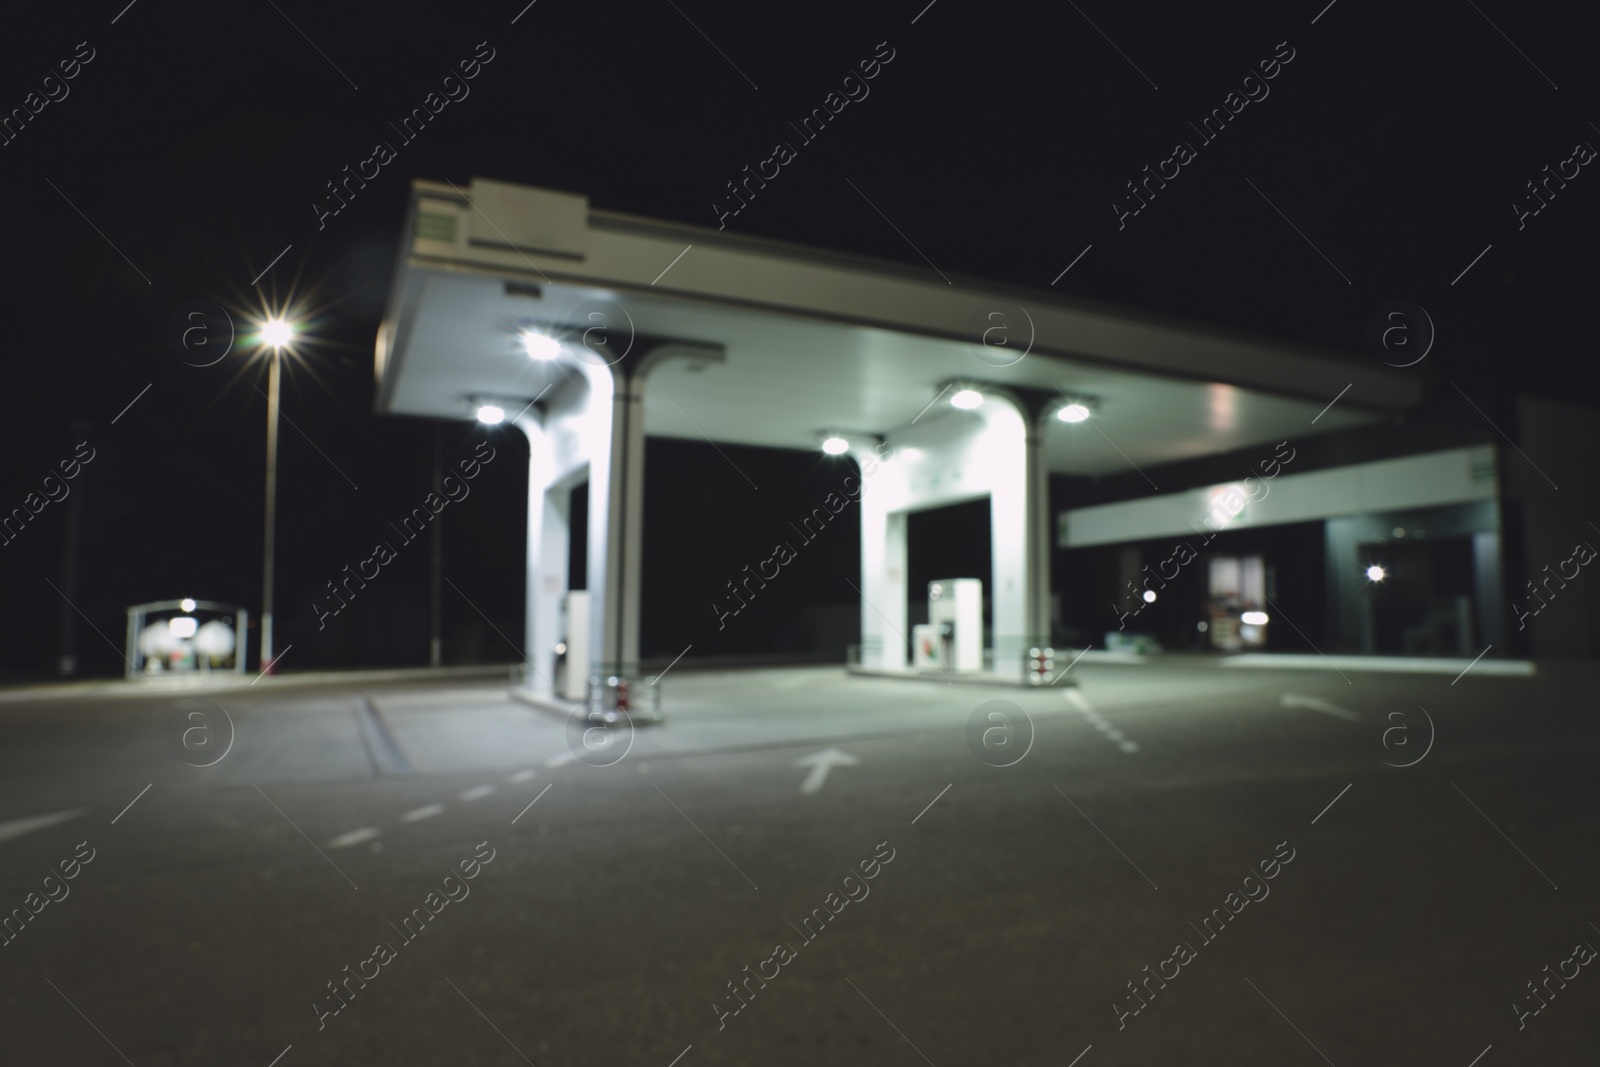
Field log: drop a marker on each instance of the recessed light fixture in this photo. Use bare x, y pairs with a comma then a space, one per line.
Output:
540, 345
967, 399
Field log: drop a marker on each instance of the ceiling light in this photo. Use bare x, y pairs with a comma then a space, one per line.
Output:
1149, 596
181, 626
540, 345
490, 415
1375, 573
1254, 618
186, 604
1073, 412
836, 446
967, 399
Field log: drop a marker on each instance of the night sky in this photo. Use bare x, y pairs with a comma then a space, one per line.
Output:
1391, 146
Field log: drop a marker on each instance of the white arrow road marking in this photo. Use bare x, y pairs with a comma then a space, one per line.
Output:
477, 792
1295, 700
821, 763
355, 837
427, 812
18, 827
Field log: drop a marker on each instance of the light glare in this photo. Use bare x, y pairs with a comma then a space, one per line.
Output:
181, 626
1254, 618
836, 446
490, 415
1149, 596
1073, 413
276, 333
1375, 573
967, 399
187, 604
540, 346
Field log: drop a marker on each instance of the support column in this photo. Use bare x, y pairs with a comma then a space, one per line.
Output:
616, 532
884, 633
1037, 574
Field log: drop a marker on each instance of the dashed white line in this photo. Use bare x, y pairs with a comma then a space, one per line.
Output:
477, 792
355, 837
521, 776
425, 812
561, 760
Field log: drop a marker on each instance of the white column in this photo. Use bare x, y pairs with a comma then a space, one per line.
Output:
1004, 447
543, 605
884, 633
1039, 541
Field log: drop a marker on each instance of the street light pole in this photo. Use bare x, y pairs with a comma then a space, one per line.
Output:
268, 540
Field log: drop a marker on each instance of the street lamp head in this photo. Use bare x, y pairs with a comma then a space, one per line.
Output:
277, 333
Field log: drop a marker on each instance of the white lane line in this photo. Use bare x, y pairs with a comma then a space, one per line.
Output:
522, 776
1095, 719
426, 812
355, 837
1295, 700
561, 760
477, 792
680, 1055
1480, 1055
131, 803
1083, 1053
280, 1056
18, 827
531, 803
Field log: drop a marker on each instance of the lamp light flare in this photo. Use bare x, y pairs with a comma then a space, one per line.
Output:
1254, 618
1375, 573
1073, 413
836, 446
276, 333
491, 415
1149, 596
187, 604
967, 399
540, 345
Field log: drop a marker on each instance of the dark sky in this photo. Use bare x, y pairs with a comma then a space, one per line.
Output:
996, 141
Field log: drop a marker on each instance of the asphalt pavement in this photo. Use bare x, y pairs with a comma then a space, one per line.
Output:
1169, 863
